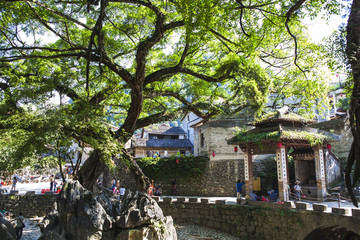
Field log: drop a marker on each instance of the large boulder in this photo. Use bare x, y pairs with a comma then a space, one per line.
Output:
80, 214
7, 231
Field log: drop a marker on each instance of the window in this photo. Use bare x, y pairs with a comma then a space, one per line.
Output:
202, 140
152, 136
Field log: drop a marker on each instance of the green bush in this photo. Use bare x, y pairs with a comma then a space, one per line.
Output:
167, 168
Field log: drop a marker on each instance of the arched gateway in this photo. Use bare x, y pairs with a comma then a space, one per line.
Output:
284, 133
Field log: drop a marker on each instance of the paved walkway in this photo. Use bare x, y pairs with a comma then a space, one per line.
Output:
232, 200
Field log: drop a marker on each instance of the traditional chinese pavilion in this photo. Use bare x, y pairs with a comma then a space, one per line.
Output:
284, 133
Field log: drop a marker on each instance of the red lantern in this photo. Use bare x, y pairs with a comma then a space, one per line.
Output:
328, 146
235, 149
279, 144
177, 161
213, 154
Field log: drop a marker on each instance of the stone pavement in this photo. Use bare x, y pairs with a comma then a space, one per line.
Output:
184, 232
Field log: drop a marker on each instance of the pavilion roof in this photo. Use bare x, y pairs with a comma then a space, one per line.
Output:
303, 136
282, 116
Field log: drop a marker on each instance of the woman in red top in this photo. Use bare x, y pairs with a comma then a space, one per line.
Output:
151, 189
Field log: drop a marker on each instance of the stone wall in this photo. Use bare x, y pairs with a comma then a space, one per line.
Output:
29, 204
255, 220
125, 176
260, 220
218, 179
340, 127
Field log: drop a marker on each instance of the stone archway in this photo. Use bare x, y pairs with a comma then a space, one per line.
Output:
332, 232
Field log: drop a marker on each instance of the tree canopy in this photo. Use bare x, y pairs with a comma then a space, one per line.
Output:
132, 63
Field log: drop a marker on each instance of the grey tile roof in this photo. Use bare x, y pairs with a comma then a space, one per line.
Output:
170, 143
164, 130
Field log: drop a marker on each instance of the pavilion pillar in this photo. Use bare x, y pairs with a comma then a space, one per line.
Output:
296, 165
248, 171
281, 167
320, 173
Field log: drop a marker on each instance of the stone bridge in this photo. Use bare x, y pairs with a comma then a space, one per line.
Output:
247, 220
261, 220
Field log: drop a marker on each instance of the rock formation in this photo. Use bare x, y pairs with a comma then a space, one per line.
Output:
7, 231
80, 214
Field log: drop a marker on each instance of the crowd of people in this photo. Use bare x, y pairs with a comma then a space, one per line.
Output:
272, 195
156, 190
117, 189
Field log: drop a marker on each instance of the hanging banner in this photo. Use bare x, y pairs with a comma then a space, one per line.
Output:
283, 163
246, 166
278, 166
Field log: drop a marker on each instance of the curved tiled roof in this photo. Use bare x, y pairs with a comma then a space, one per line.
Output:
282, 116
164, 130
169, 143
310, 137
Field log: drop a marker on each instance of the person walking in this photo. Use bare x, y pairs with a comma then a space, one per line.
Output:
239, 185
19, 226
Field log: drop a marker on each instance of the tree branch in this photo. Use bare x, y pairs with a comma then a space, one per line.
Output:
288, 16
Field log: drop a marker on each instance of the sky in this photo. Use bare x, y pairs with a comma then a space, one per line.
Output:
319, 28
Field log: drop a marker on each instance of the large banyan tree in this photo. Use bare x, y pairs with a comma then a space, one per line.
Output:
353, 54
71, 70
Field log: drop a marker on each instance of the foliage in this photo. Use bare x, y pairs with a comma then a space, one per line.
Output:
257, 137
334, 47
135, 63
274, 115
167, 168
343, 103
312, 138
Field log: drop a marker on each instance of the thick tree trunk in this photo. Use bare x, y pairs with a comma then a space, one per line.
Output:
94, 166
142, 181
353, 54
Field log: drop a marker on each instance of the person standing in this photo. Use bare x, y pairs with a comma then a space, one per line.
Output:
298, 191
54, 186
151, 189
13, 187
173, 187
239, 185
122, 192
19, 226
52, 179
113, 184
